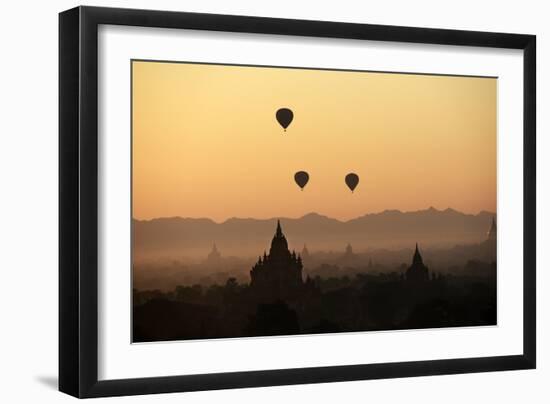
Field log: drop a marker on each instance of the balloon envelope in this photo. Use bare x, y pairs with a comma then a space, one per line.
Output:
352, 180
301, 178
284, 117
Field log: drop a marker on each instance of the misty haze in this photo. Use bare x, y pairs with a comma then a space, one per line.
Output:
204, 290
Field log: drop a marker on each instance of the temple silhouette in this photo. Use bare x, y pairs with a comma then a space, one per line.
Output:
349, 251
492, 233
305, 253
214, 255
417, 272
278, 275
214, 259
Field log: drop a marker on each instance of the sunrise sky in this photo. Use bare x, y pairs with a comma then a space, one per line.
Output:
206, 142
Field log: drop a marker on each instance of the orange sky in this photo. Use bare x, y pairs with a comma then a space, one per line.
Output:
206, 142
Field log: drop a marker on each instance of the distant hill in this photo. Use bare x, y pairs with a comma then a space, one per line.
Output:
187, 237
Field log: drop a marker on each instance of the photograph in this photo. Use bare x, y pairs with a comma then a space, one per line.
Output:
277, 201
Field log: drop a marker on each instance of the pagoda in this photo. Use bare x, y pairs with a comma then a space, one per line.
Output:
279, 273
417, 272
492, 233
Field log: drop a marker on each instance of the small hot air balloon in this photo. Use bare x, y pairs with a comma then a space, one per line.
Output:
301, 178
352, 180
284, 117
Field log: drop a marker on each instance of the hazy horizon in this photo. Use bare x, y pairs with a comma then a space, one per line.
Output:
312, 213
244, 237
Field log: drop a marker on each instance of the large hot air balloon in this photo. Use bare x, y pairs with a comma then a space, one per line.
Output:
301, 178
352, 180
284, 117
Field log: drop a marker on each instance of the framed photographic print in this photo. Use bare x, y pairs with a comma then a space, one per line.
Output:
251, 201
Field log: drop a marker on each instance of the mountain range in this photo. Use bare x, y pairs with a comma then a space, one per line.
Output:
178, 237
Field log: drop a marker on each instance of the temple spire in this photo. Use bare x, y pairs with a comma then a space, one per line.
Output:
305, 252
492, 233
214, 254
417, 258
279, 243
417, 272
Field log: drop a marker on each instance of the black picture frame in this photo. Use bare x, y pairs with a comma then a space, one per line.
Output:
78, 201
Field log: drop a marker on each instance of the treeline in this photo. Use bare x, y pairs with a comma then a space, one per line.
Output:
359, 302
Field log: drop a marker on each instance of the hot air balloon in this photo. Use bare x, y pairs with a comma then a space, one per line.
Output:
301, 178
284, 117
352, 180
